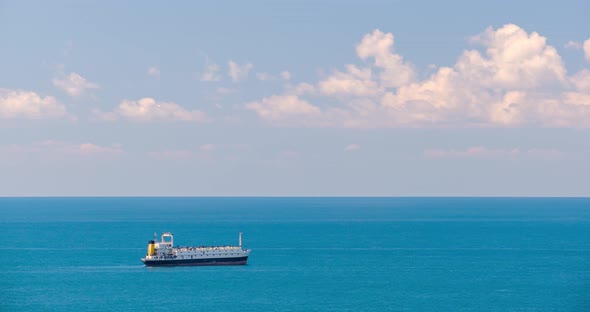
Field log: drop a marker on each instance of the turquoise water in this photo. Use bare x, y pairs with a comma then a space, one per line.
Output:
308, 254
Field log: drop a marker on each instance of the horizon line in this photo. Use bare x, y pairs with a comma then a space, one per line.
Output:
293, 196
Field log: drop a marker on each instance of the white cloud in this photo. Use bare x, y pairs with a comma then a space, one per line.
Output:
515, 79
56, 148
441, 91
573, 45
496, 87
352, 147
148, 109
353, 82
286, 75
29, 105
90, 148
301, 89
577, 98
508, 110
581, 80
281, 107
211, 73
74, 84
153, 71
587, 49
379, 46
239, 72
513, 59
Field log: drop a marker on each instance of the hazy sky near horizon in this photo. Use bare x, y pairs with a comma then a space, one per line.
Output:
290, 98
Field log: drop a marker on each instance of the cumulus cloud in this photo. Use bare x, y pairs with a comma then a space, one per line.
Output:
493, 87
581, 80
513, 59
379, 46
29, 105
153, 71
148, 109
239, 72
353, 82
507, 110
74, 84
280, 106
577, 98
211, 73
512, 78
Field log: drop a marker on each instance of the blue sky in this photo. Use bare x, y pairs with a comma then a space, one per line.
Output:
294, 98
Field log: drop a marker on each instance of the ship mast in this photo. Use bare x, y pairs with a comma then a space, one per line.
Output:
240, 240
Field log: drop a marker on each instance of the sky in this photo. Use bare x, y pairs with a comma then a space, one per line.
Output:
294, 98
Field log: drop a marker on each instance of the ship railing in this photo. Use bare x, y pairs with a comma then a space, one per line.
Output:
208, 248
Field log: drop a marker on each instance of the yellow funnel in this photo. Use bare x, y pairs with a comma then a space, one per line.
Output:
151, 248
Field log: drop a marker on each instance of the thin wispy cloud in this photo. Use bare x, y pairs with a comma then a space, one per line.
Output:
573, 45
485, 152
57, 148
264, 76
211, 73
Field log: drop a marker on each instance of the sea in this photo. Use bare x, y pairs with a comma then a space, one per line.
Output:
308, 254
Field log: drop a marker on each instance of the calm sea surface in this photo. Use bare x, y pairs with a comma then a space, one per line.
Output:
308, 254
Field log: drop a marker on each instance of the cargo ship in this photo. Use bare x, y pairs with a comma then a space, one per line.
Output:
163, 253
